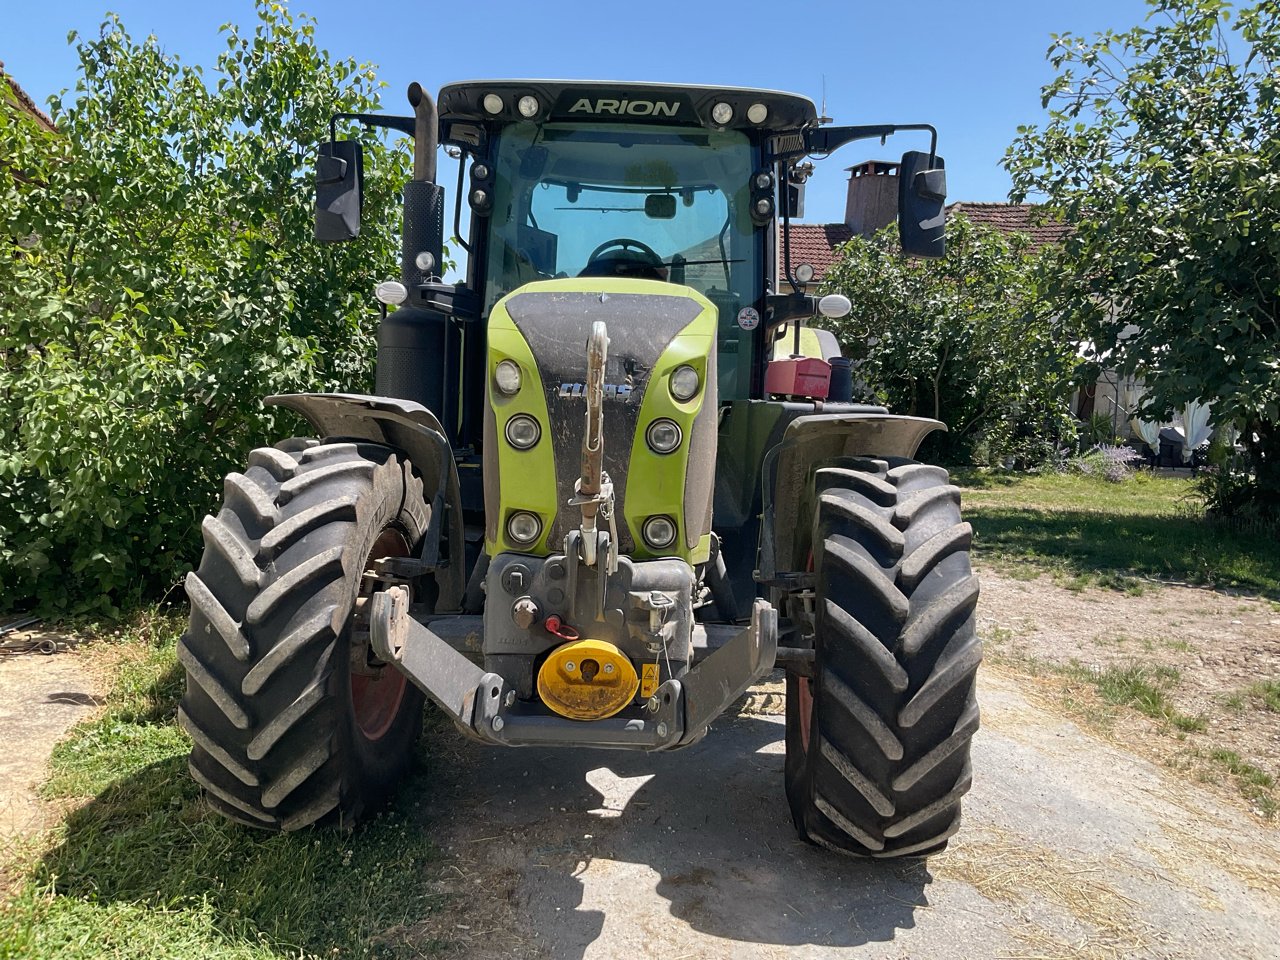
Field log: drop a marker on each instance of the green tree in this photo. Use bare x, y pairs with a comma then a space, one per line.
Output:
161, 279
1162, 147
964, 339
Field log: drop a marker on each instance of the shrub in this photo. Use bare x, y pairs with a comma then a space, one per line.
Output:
163, 281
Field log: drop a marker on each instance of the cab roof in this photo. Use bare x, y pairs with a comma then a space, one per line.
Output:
498, 102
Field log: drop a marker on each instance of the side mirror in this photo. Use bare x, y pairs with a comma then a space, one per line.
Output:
339, 173
795, 200
922, 195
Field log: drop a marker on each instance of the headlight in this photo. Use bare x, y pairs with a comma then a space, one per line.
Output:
523, 527
528, 107
506, 378
663, 436
659, 532
722, 113
685, 382
523, 431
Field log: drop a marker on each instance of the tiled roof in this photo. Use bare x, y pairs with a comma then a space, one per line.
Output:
816, 243
1012, 218
25, 101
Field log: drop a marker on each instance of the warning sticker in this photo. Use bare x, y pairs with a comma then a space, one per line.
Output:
648, 679
748, 318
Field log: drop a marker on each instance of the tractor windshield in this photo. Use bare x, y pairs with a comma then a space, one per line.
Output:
664, 203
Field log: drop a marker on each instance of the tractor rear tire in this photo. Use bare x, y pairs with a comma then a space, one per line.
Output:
292, 723
878, 739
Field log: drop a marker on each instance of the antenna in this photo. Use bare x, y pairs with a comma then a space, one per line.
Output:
822, 115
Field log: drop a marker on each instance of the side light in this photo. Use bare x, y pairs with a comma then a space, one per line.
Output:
391, 292
663, 436
523, 527
522, 431
659, 532
506, 377
685, 382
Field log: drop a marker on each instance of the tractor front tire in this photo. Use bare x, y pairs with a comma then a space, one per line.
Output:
878, 739
292, 722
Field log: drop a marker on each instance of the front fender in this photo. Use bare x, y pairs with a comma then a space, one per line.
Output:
415, 431
808, 443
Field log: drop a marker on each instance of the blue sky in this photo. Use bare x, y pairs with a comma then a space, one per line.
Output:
972, 69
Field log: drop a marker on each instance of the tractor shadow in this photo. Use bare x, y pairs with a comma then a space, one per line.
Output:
666, 853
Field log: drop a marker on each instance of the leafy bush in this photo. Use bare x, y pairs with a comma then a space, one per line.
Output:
964, 339
163, 279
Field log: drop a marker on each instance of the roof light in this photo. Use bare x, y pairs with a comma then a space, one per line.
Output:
528, 107
722, 113
493, 103
757, 113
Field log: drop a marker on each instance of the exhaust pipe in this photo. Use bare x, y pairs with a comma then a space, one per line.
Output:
426, 133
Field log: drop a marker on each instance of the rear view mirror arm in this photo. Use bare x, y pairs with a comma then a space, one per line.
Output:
400, 124
826, 140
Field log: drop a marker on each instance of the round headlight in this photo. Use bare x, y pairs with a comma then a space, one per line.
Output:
659, 532
757, 113
523, 431
528, 107
804, 273
722, 113
480, 171
425, 261
523, 527
663, 436
506, 377
764, 207
685, 382
764, 180
492, 103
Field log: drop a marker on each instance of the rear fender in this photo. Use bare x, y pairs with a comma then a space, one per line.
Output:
414, 431
808, 443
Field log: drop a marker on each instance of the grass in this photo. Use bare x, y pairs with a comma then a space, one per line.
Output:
1088, 532
1254, 783
142, 868
1268, 693
1144, 689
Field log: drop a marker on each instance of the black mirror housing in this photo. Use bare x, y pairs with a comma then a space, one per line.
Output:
339, 177
795, 200
922, 196
660, 206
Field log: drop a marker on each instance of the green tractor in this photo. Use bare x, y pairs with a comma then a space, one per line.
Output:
606, 484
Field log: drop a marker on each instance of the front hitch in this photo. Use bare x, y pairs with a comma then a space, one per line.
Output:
485, 707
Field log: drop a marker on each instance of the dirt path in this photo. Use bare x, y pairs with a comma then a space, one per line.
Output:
1072, 847
40, 698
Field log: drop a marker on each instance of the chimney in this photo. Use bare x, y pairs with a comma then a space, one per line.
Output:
872, 200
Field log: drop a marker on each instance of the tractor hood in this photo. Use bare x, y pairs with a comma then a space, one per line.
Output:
494, 102
653, 328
